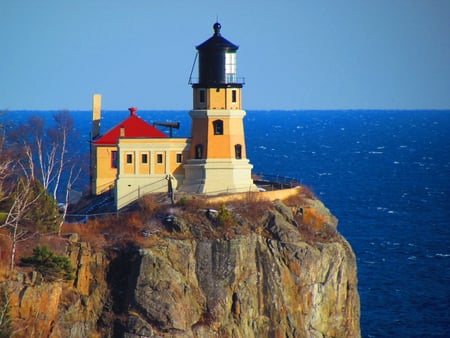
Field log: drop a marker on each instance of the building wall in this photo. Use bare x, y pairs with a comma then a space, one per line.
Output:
143, 166
217, 98
199, 132
217, 176
218, 170
104, 174
218, 146
137, 178
222, 146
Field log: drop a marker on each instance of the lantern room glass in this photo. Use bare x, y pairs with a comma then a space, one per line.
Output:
230, 67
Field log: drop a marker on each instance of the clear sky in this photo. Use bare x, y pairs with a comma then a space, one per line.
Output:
294, 54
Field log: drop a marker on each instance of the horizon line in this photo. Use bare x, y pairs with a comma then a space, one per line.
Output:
255, 109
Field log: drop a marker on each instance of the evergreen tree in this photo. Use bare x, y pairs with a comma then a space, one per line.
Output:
44, 216
50, 265
41, 216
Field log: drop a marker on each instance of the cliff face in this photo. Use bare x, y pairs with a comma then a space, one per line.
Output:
39, 308
283, 280
248, 286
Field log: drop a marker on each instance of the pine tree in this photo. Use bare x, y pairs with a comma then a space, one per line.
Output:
44, 216
50, 265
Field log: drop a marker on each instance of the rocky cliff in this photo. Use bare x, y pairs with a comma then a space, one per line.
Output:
215, 275
40, 308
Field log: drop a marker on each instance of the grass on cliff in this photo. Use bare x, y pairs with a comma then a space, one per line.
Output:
197, 217
144, 225
192, 217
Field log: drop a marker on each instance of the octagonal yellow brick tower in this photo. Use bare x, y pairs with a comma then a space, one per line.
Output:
218, 159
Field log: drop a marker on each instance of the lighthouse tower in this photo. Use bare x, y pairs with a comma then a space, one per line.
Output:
217, 160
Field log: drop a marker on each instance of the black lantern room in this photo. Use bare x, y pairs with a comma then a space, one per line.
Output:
217, 62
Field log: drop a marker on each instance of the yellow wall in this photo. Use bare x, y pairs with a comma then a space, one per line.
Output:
222, 146
105, 174
199, 134
217, 98
143, 168
218, 146
177, 168
160, 168
129, 168
151, 177
218, 105
167, 148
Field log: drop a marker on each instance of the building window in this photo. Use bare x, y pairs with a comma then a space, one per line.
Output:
218, 127
199, 151
238, 151
159, 158
129, 158
179, 158
201, 94
144, 158
234, 95
114, 159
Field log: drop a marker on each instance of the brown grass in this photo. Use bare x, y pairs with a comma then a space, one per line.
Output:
300, 199
144, 227
109, 230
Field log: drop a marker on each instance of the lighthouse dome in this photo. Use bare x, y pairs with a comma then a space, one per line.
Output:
217, 41
217, 61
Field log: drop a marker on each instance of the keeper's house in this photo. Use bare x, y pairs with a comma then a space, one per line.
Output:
135, 158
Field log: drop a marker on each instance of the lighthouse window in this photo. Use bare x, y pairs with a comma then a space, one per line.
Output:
199, 151
218, 127
238, 151
179, 158
230, 67
233, 96
159, 158
201, 94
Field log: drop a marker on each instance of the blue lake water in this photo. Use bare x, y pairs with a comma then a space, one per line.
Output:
384, 174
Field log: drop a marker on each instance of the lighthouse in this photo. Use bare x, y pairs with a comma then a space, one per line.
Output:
217, 161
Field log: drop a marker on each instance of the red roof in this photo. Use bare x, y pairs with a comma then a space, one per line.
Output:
134, 127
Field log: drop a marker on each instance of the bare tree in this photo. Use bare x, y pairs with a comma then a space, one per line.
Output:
34, 154
6, 163
74, 173
23, 198
59, 136
16, 193
45, 149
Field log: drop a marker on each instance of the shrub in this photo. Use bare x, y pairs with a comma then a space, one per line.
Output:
225, 217
183, 201
50, 265
43, 216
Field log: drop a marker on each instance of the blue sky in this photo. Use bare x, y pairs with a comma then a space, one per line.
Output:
294, 54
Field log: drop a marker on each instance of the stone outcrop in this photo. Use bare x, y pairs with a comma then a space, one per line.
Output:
284, 278
255, 285
40, 308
